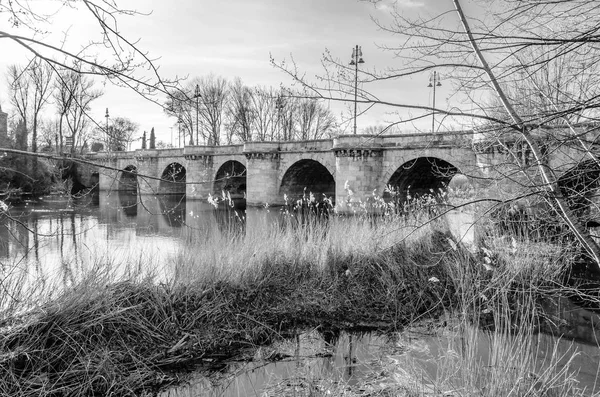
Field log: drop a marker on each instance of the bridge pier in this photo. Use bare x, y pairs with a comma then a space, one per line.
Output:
199, 166
108, 178
262, 170
359, 163
147, 166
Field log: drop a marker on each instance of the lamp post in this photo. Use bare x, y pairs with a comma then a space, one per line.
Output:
356, 59
197, 96
107, 136
179, 130
434, 81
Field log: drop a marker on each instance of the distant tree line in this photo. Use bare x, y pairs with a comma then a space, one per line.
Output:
53, 104
211, 110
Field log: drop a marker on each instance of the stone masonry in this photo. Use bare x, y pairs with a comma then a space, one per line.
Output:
359, 165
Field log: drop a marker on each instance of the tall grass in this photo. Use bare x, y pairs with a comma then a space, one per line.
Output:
123, 333
490, 349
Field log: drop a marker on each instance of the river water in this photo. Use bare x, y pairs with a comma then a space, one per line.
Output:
57, 238
63, 238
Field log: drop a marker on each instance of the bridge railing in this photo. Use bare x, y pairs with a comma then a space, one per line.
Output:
299, 146
441, 139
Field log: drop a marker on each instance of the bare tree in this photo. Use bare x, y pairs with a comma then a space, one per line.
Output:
181, 105
41, 75
240, 112
121, 60
266, 124
121, 133
287, 107
214, 91
73, 93
48, 137
20, 89
313, 120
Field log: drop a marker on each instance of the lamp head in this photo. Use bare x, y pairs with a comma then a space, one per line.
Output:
352, 63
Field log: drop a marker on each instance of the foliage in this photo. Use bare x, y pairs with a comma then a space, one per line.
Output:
152, 139
120, 133
20, 175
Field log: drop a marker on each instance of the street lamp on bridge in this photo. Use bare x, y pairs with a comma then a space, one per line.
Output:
356, 59
179, 121
197, 96
434, 81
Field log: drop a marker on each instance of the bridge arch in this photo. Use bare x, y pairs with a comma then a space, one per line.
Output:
580, 185
128, 179
420, 176
172, 179
310, 175
231, 178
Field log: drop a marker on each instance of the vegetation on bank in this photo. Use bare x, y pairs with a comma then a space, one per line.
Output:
129, 336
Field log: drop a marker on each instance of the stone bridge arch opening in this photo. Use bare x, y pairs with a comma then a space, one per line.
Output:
172, 180
128, 181
307, 176
419, 177
231, 178
581, 186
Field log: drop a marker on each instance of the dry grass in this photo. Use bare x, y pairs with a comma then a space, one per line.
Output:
119, 333
107, 334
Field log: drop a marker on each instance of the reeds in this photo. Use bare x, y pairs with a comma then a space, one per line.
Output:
109, 334
124, 334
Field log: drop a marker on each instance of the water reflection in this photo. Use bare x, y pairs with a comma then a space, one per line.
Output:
172, 208
128, 202
417, 358
301, 364
62, 238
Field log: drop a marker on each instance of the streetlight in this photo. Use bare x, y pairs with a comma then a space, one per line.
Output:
356, 59
107, 136
434, 81
179, 121
197, 96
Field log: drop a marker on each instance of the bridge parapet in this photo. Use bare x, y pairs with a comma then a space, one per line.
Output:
357, 146
261, 150
321, 145
424, 140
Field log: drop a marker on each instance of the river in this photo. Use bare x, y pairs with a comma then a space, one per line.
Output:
62, 239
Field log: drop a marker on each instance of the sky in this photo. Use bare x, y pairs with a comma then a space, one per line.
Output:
236, 38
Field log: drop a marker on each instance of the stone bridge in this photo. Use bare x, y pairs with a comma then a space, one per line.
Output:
349, 168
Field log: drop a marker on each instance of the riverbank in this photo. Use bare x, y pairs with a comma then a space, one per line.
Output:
132, 336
